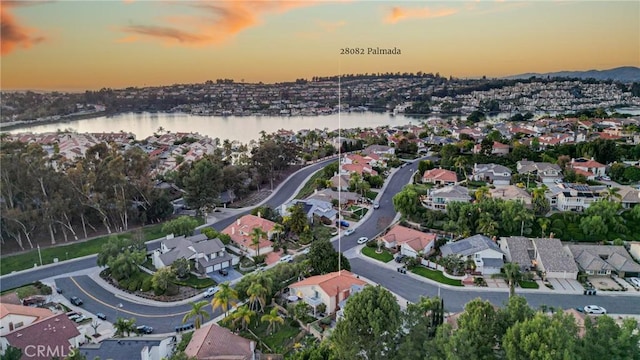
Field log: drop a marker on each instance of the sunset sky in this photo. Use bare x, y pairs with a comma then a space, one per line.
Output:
78, 45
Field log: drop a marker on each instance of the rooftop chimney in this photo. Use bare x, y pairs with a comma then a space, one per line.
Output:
238, 222
259, 215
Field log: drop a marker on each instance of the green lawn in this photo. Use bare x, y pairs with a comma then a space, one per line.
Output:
74, 250
528, 284
385, 256
279, 342
321, 232
195, 282
435, 275
310, 186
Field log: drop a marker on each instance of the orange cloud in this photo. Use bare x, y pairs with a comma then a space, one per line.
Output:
399, 14
331, 26
14, 34
220, 22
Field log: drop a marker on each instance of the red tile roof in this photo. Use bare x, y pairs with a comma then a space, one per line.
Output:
215, 342
401, 235
440, 174
359, 168
54, 333
38, 313
332, 283
240, 230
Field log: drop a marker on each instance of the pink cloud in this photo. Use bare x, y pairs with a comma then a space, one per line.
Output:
14, 34
397, 13
219, 22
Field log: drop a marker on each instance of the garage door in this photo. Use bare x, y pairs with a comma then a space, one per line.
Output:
209, 269
217, 267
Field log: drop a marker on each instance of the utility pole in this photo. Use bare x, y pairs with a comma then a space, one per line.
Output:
39, 254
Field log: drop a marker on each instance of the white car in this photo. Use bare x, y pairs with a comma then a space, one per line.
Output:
286, 258
594, 309
306, 251
211, 291
606, 178
349, 232
634, 281
376, 204
363, 240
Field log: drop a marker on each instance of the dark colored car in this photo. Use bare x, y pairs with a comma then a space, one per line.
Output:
75, 300
101, 316
223, 272
144, 329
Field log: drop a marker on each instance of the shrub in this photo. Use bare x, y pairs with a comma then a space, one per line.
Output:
123, 283
294, 323
133, 286
146, 284
158, 291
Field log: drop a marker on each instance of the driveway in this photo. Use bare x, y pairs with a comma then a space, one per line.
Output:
566, 285
218, 278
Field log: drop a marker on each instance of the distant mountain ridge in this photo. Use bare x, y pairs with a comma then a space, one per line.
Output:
626, 74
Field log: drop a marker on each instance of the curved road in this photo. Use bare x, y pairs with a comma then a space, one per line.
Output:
283, 193
164, 319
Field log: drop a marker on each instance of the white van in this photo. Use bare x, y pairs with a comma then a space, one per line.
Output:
286, 258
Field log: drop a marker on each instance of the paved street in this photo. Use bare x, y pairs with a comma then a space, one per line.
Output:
165, 318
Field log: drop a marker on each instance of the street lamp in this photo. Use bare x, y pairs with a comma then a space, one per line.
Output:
117, 309
39, 254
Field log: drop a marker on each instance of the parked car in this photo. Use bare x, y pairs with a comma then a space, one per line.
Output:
399, 258
223, 272
286, 258
306, 250
363, 240
211, 291
80, 319
73, 315
101, 316
349, 232
75, 300
594, 309
376, 205
634, 281
606, 178
144, 329
342, 223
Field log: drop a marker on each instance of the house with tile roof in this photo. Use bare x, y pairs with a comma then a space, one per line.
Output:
381, 150
409, 242
13, 316
314, 208
634, 250
511, 192
329, 289
130, 349
604, 259
440, 176
573, 197
630, 198
492, 173
240, 233
54, 336
437, 199
343, 197
548, 173
588, 167
213, 342
485, 253
498, 149
547, 255
340, 181
208, 255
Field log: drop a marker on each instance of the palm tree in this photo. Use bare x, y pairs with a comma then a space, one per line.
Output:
124, 326
513, 275
544, 224
198, 312
225, 298
539, 192
273, 319
278, 229
461, 163
257, 295
244, 315
256, 235
487, 225
611, 193
481, 193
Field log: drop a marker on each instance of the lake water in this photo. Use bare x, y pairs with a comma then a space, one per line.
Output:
241, 128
